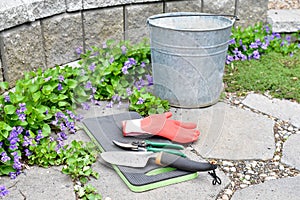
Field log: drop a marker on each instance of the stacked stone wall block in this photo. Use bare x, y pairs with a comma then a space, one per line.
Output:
21, 51
12, 13
38, 9
91, 4
103, 24
1, 74
251, 11
62, 35
184, 6
74, 5
136, 20
226, 7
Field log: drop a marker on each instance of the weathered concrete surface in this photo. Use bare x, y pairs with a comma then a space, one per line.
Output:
282, 109
230, 133
101, 25
291, 151
219, 6
284, 20
136, 16
184, 6
38, 183
251, 11
21, 50
285, 188
62, 35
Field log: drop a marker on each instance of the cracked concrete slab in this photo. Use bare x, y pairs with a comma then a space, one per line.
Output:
291, 151
38, 183
228, 132
285, 188
282, 109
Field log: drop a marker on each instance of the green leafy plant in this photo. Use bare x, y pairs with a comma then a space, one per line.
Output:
254, 41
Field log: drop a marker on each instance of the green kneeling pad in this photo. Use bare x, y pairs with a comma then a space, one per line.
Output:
103, 130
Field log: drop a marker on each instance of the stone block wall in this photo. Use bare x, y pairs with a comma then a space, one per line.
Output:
45, 33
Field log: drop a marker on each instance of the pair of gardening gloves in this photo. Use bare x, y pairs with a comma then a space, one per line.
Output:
161, 125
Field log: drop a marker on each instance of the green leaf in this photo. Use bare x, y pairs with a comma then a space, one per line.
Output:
71, 83
36, 96
33, 88
10, 109
46, 130
47, 89
4, 85
6, 169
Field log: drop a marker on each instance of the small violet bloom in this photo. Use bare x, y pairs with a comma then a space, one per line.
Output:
79, 50
61, 78
109, 105
111, 60
59, 87
88, 85
85, 106
3, 191
140, 101
48, 78
124, 49
6, 98
143, 65
92, 67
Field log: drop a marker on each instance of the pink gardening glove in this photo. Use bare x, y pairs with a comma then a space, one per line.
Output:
161, 125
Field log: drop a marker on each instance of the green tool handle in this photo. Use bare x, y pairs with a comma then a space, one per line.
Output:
170, 151
164, 145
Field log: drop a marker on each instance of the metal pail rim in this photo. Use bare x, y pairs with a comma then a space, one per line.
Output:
151, 19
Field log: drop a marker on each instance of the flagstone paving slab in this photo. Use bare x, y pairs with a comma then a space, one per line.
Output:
228, 132
291, 151
282, 109
285, 188
38, 183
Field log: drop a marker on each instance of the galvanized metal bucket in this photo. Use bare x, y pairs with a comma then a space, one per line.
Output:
188, 52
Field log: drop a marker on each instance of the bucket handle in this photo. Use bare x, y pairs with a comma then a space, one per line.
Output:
187, 14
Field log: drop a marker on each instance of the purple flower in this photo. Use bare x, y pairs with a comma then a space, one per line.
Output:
39, 136
116, 97
125, 69
96, 102
59, 87
253, 45
267, 28
124, 49
88, 85
109, 105
22, 117
276, 35
244, 48
258, 42
129, 92
255, 54
71, 114
229, 59
139, 84
6, 98
140, 101
27, 152
299, 45
4, 157
61, 78
48, 78
149, 79
232, 41
85, 106
241, 42
13, 175
104, 45
1, 143
111, 60
264, 46
79, 50
62, 135
3, 191
143, 65
92, 67
27, 141
291, 54
22, 107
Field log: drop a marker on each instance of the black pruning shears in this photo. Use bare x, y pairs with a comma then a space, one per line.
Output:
147, 145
